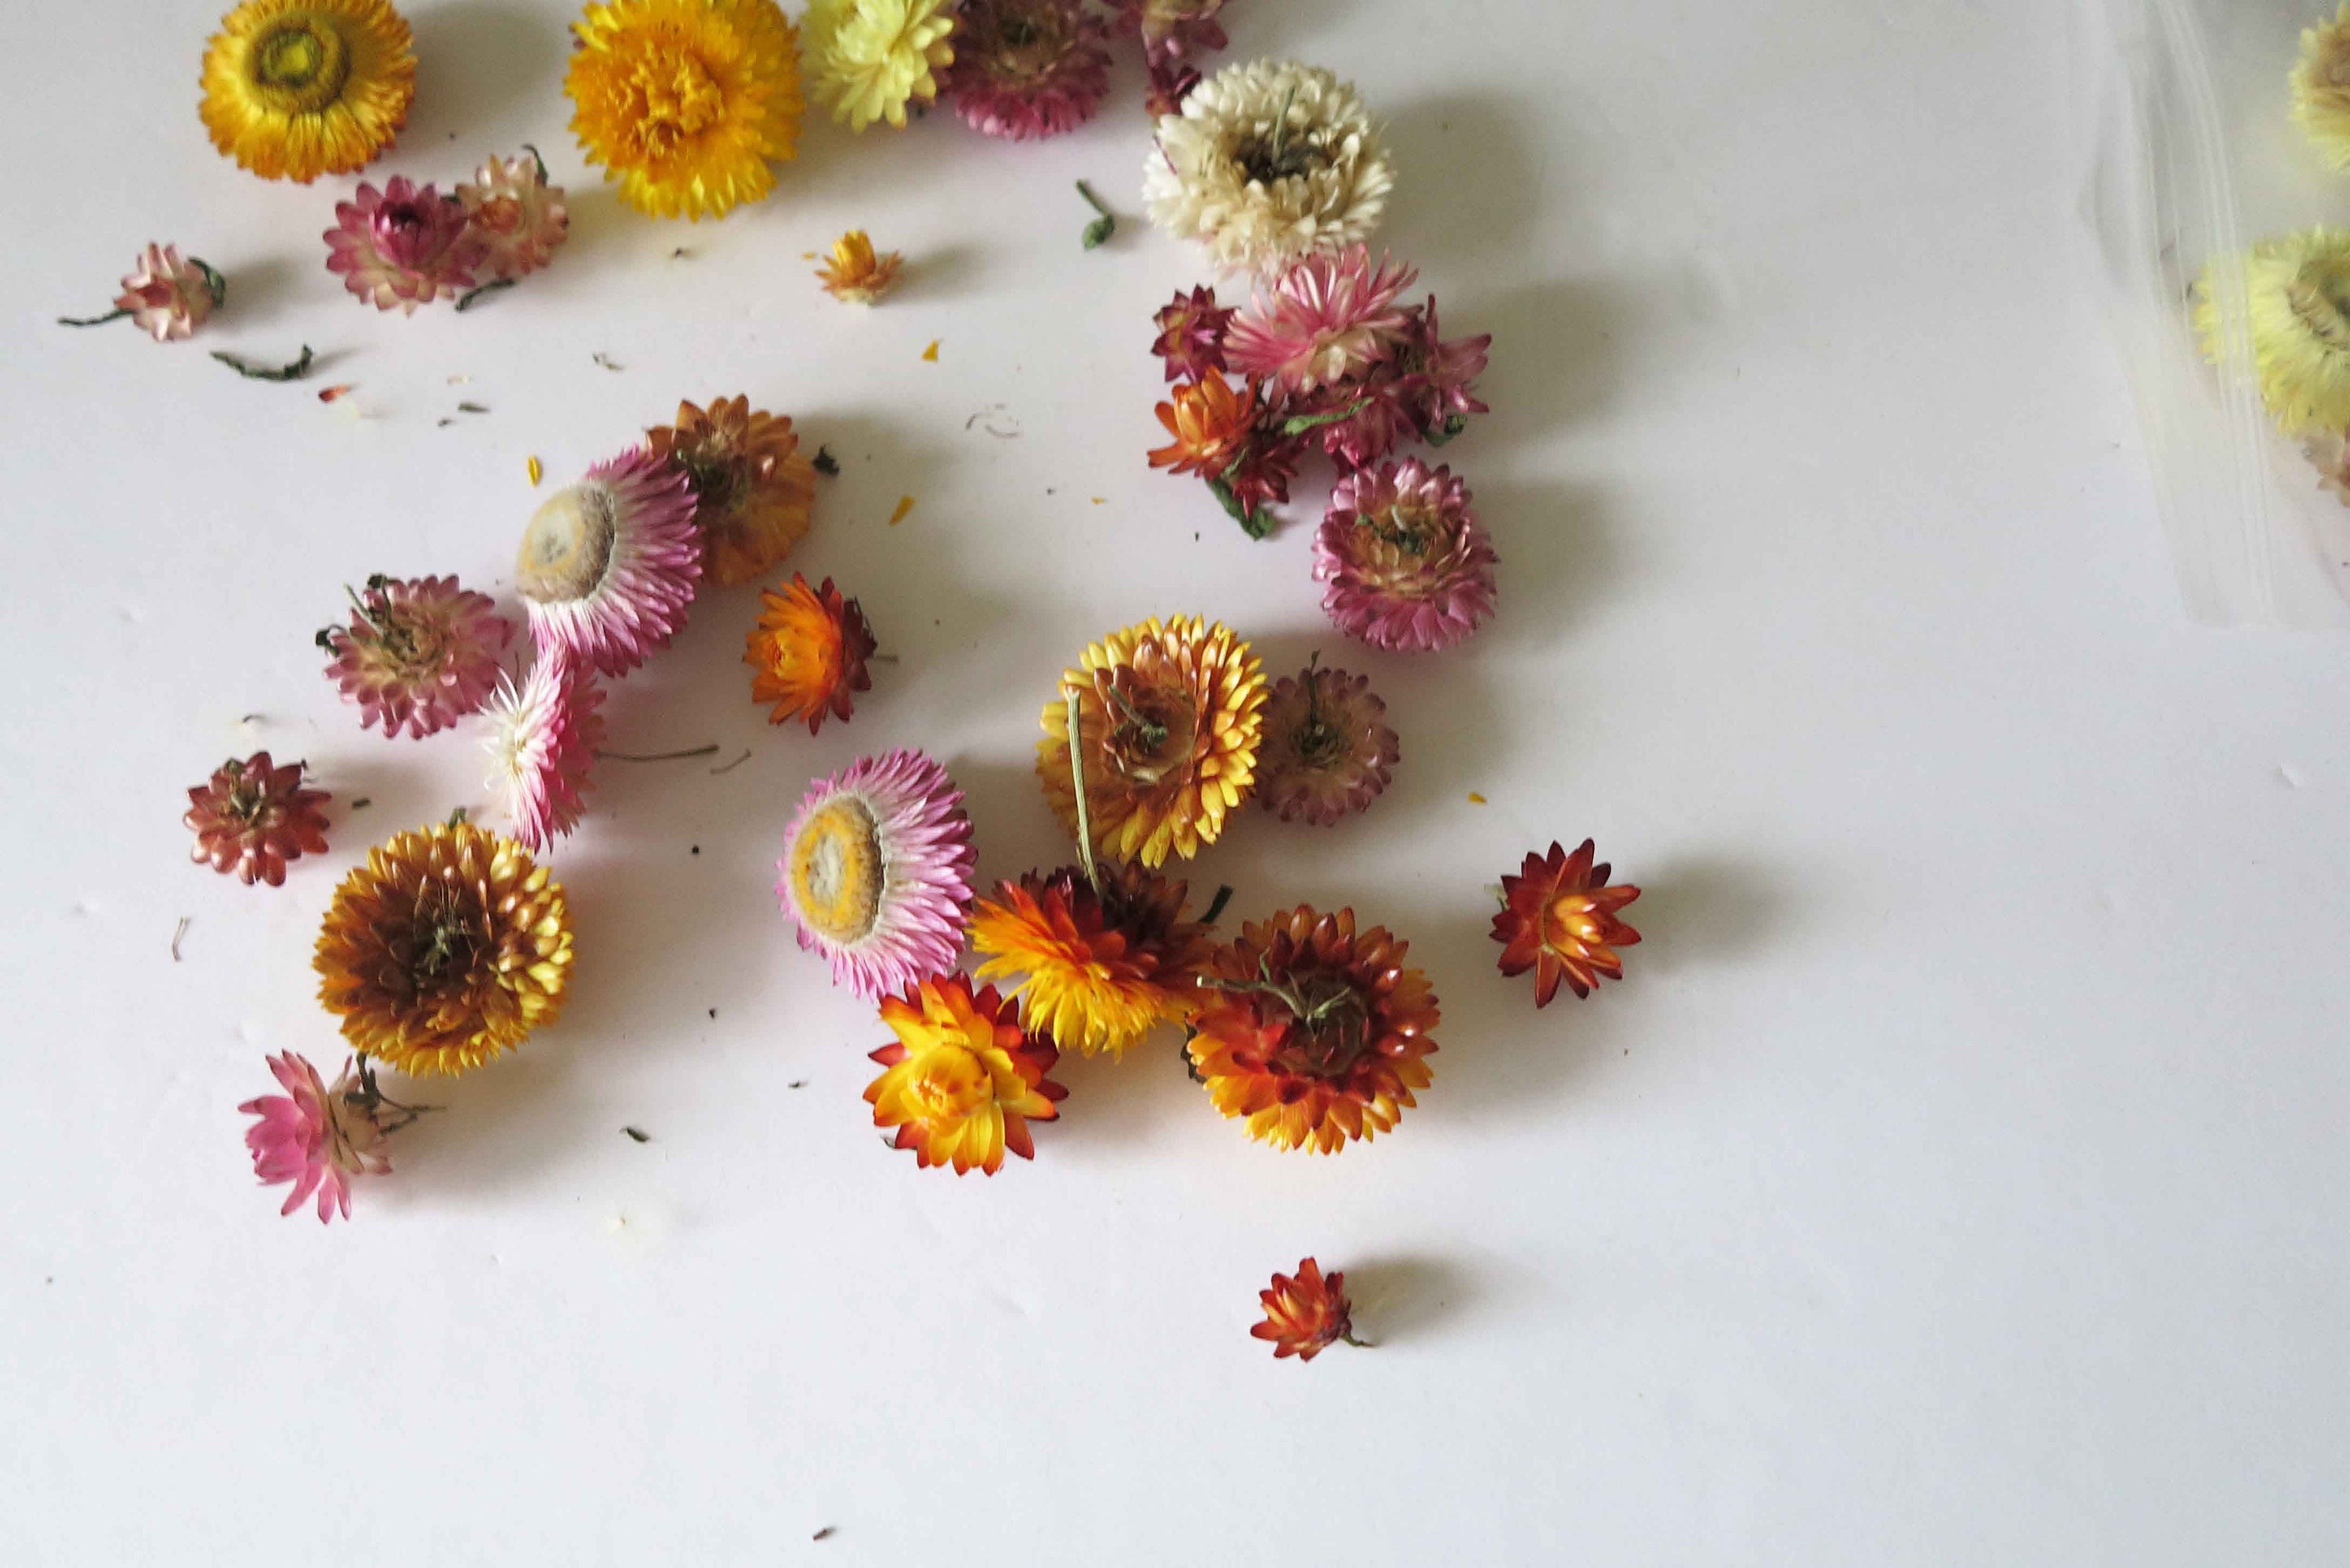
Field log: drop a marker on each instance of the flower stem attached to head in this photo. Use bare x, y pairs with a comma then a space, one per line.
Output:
1078, 782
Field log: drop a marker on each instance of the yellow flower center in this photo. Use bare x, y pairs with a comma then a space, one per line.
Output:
567, 547
500, 214
300, 65
836, 871
673, 100
1570, 922
949, 1083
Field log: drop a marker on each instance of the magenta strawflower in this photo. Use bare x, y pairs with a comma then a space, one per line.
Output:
1192, 331
1408, 568
402, 246
1173, 29
517, 217
542, 740
1167, 85
318, 1138
251, 816
169, 298
1328, 748
1368, 417
1027, 68
419, 654
609, 564
1326, 319
877, 872
1440, 376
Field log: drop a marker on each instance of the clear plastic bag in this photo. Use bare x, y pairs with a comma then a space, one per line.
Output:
2194, 156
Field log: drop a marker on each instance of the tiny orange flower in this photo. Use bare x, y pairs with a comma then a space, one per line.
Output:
856, 273
1210, 419
1558, 919
1305, 1316
964, 1081
807, 653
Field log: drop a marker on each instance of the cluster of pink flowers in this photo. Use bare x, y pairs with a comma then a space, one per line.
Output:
409, 245
1025, 70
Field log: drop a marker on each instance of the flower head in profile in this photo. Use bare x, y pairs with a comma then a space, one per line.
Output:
445, 949
1314, 1033
516, 215
872, 59
1095, 970
168, 298
254, 816
752, 488
855, 273
2282, 313
2321, 88
297, 89
1173, 29
1328, 751
419, 654
1210, 421
962, 1081
402, 246
1559, 919
1408, 567
1439, 375
1192, 331
1326, 317
1027, 68
320, 1138
542, 739
1305, 1314
1268, 162
808, 654
685, 102
877, 872
1169, 715
609, 564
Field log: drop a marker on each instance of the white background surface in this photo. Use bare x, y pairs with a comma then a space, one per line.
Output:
1956, 1178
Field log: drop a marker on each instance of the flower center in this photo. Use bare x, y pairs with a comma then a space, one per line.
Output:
410, 233
1028, 44
1571, 923
499, 215
950, 1083
438, 939
675, 100
2319, 298
836, 871
567, 547
300, 65
714, 477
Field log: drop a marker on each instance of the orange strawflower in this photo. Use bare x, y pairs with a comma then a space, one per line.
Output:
1558, 919
856, 273
807, 653
1305, 1316
1094, 970
1210, 419
964, 1082
753, 490
1316, 1034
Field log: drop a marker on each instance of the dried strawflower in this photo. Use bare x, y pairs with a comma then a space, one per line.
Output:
877, 872
251, 816
1096, 970
419, 654
807, 653
753, 490
1027, 68
963, 1082
2329, 452
1439, 376
1171, 29
1361, 423
1268, 162
166, 298
872, 58
1259, 476
609, 564
542, 739
1305, 1314
516, 215
1328, 318
402, 246
855, 273
1314, 1033
1328, 748
1169, 715
1166, 84
1192, 335
684, 102
1558, 919
320, 1138
1210, 421
2321, 88
2295, 308
297, 89
1408, 568
445, 949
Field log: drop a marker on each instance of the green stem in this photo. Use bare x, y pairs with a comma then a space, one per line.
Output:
1216, 906
465, 300
252, 372
214, 284
1098, 231
1305, 422
535, 158
117, 314
707, 751
1078, 782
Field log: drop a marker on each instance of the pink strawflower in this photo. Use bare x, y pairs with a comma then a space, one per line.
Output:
169, 298
317, 1138
1375, 415
1408, 568
609, 564
1027, 68
418, 655
1326, 319
1192, 335
542, 740
1167, 85
253, 817
402, 246
877, 872
1173, 29
517, 217
1441, 376
1328, 749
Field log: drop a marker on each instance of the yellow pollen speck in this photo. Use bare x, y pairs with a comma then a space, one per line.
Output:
808, 255
931, 353
1476, 799
1101, 499
537, 471
905, 505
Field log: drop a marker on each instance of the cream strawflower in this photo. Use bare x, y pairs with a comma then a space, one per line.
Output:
870, 58
1266, 162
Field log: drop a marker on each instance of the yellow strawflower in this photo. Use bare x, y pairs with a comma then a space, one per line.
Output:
2295, 308
870, 58
297, 89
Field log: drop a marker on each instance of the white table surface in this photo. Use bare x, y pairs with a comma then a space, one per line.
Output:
1956, 1178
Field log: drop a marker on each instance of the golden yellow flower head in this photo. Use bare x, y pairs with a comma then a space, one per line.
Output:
445, 950
2321, 88
1169, 717
855, 273
684, 101
297, 89
870, 58
2294, 314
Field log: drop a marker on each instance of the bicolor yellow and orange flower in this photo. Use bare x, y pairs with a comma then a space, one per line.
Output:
807, 653
964, 1081
1210, 421
752, 489
1307, 1314
1558, 919
855, 273
1097, 971
296, 89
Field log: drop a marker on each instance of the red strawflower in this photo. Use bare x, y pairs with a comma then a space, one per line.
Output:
251, 817
1558, 919
1192, 335
1306, 1315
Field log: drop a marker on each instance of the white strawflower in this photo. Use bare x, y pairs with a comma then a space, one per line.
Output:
1268, 162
